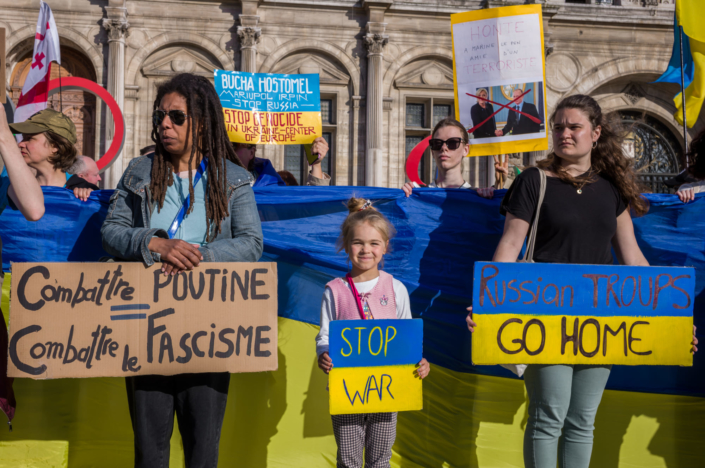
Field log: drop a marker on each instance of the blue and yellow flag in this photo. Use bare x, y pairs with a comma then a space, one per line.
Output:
689, 14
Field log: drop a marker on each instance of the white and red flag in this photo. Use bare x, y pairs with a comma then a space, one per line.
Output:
46, 50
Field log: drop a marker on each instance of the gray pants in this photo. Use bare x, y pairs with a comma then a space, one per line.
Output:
374, 433
563, 402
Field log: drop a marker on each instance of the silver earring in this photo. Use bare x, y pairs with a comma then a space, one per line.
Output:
594, 144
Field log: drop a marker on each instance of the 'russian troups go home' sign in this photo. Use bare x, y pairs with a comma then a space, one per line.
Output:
539, 313
373, 366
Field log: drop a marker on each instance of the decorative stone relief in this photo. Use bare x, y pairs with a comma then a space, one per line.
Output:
425, 74
633, 93
117, 28
562, 71
249, 36
375, 43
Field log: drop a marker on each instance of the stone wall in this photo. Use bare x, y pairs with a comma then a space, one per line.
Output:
374, 57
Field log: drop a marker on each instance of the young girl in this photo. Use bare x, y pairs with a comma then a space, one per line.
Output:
365, 237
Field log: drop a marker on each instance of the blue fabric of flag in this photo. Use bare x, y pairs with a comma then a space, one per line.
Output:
440, 235
673, 72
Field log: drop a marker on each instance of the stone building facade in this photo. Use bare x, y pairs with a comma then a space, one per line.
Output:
385, 69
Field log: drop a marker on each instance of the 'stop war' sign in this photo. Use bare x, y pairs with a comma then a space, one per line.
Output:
531, 313
122, 319
373, 366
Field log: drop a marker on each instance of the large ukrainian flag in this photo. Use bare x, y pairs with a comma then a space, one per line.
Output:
472, 415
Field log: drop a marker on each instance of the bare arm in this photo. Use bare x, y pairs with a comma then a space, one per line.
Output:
24, 190
515, 230
624, 242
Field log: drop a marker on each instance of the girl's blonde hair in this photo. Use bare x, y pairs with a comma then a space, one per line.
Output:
361, 211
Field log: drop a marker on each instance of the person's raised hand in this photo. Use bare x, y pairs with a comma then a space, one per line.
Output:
422, 368
324, 362
320, 147
407, 188
82, 193
471, 324
177, 255
686, 195
487, 192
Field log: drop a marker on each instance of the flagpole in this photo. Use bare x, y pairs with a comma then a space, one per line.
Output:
685, 123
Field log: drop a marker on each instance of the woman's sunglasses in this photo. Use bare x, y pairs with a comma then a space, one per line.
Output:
451, 143
177, 117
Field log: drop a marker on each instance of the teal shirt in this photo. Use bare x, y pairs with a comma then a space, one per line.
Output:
193, 229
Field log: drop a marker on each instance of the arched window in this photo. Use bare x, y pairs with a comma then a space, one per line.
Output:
656, 151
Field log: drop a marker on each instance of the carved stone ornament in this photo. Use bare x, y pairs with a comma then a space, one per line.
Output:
375, 43
118, 29
249, 36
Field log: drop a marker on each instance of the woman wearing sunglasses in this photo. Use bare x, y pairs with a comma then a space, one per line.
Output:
449, 145
188, 202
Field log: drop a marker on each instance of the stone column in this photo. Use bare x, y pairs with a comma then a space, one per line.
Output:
375, 41
117, 27
249, 34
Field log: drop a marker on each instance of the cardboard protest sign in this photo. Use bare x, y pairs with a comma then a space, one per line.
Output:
264, 108
122, 319
499, 78
541, 313
373, 366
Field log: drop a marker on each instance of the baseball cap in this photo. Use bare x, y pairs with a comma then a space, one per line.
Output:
47, 120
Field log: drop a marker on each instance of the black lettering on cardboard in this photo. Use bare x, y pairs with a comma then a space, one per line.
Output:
247, 333
254, 283
517, 340
116, 274
175, 293
483, 284
563, 295
83, 354
533, 297
153, 331
610, 290
101, 346
227, 342
201, 284
622, 327
103, 282
621, 291
22, 285
70, 349
112, 348
504, 292
595, 283
259, 340
126, 294
80, 294
26, 368
158, 284
194, 343
91, 352
244, 287
129, 363
543, 336
165, 345
187, 351
566, 338
61, 294
36, 355
515, 290
211, 289
631, 338
596, 324
57, 347
211, 345
44, 293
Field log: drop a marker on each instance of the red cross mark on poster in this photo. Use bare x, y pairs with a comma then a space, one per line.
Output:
38, 63
503, 106
39, 36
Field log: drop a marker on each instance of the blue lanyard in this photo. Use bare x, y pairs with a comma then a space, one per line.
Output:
182, 212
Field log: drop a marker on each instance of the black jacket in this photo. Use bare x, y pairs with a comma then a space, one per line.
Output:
524, 124
478, 114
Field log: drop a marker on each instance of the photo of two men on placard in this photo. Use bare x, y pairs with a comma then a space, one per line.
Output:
524, 114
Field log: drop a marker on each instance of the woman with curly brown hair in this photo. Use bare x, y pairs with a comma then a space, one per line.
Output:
590, 188
686, 192
188, 202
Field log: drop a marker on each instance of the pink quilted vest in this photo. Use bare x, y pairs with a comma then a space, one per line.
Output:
380, 299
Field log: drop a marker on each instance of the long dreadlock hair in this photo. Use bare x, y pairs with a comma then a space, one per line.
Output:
210, 139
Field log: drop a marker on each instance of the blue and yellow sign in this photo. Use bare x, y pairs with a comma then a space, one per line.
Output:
531, 313
373, 366
264, 108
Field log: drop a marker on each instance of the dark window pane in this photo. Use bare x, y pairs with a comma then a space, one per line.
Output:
411, 142
326, 164
414, 115
326, 108
440, 112
292, 160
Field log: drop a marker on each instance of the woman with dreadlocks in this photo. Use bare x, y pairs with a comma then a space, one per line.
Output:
188, 202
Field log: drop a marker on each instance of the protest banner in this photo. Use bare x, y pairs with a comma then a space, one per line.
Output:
373, 366
499, 78
122, 319
531, 313
264, 108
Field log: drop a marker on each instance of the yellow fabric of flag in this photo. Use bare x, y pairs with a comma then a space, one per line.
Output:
689, 14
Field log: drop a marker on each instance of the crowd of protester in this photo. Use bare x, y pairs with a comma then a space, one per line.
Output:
200, 207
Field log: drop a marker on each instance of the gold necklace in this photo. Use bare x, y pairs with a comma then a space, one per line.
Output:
580, 189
